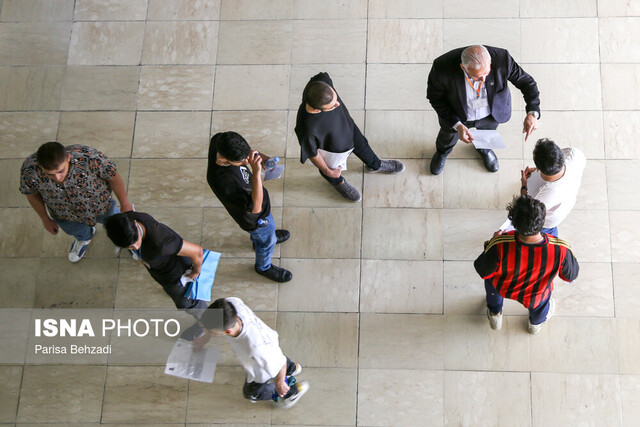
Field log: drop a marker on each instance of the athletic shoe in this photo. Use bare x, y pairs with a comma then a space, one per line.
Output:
276, 274
298, 371
282, 236
348, 191
303, 387
192, 332
534, 329
79, 247
387, 166
495, 320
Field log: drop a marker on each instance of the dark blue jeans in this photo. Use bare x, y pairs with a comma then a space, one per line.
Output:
553, 231
82, 231
264, 391
264, 240
494, 304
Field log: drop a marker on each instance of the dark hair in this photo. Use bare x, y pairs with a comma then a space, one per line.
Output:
527, 215
50, 155
548, 157
317, 94
231, 145
210, 319
121, 230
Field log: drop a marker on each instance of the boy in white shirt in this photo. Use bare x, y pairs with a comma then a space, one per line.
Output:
256, 345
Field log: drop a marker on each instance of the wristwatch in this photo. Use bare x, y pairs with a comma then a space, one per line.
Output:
534, 114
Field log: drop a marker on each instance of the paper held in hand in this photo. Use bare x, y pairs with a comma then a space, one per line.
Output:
333, 160
487, 139
184, 363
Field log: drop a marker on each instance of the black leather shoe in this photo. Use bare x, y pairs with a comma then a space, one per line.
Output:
490, 160
276, 274
437, 163
282, 236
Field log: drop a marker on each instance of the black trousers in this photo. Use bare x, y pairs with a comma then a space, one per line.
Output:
264, 391
448, 137
194, 307
364, 152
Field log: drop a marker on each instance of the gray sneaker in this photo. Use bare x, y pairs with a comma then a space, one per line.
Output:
387, 166
348, 191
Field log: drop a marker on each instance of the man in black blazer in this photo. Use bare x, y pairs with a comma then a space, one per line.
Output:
468, 88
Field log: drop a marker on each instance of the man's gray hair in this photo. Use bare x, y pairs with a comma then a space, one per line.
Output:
475, 57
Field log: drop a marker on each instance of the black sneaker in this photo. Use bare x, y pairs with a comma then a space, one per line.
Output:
437, 163
192, 332
387, 166
348, 191
276, 274
282, 236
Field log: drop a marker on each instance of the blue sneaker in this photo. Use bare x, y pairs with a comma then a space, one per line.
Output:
79, 247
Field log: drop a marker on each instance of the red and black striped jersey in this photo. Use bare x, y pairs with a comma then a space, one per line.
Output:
524, 272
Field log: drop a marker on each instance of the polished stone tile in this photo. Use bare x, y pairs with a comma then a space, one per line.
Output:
413, 188
560, 346
237, 278
410, 234
320, 285
400, 397
618, 8
325, 340
401, 286
36, 10
113, 10
10, 392
404, 40
397, 87
90, 128
63, 394
180, 43
579, 129
100, 88
331, 399
251, 87
628, 344
405, 9
188, 10
315, 41
407, 341
562, 40
471, 344
143, 394
106, 43
9, 184
619, 174
348, 81
18, 290
175, 88
620, 128
171, 135
31, 88
615, 34
402, 134
317, 233
465, 32
593, 189
22, 133
587, 231
487, 398
560, 399
466, 230
550, 8
624, 236
256, 10
265, 131
617, 84
630, 395
42, 43
255, 42
21, 231
566, 83
331, 9
627, 299
490, 9
591, 294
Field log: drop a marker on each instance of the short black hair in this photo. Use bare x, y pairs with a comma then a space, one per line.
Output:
121, 230
50, 155
210, 319
317, 94
231, 145
527, 215
548, 157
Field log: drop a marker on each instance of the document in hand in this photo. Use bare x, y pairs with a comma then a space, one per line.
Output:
487, 139
184, 363
201, 287
333, 160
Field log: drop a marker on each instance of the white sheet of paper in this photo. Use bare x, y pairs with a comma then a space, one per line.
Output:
487, 139
507, 226
184, 363
274, 173
333, 160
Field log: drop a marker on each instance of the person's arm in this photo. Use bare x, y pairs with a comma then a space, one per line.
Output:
570, 267
194, 253
200, 342
529, 88
524, 176
281, 386
486, 264
256, 184
437, 94
117, 186
319, 162
37, 203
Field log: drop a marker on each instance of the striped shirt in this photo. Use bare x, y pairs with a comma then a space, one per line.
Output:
524, 272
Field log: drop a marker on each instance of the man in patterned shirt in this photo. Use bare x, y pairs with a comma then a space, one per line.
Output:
70, 188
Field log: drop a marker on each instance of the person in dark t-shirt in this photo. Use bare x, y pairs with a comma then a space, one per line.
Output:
327, 134
241, 192
166, 256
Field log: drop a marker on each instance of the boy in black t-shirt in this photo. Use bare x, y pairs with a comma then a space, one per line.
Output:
323, 123
165, 254
247, 201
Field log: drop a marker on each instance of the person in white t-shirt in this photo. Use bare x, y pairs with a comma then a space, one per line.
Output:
555, 181
256, 345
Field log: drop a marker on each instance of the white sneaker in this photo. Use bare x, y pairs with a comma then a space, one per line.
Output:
79, 247
495, 320
298, 370
303, 387
534, 329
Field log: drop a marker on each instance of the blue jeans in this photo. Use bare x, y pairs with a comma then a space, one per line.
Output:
82, 231
264, 239
553, 231
494, 304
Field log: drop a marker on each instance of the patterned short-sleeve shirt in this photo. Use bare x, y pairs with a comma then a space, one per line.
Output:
84, 194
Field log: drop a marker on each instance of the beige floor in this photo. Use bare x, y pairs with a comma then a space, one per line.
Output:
396, 334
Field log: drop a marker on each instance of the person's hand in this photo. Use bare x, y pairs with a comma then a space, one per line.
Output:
255, 160
50, 225
464, 134
200, 342
195, 272
282, 388
497, 233
126, 207
334, 173
530, 124
525, 175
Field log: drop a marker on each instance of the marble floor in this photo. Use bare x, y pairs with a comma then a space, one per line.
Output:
385, 311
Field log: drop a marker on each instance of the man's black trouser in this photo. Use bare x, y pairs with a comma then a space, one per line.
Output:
448, 137
364, 152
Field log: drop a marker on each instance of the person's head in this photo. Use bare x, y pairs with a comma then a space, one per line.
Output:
53, 159
232, 148
527, 215
123, 231
548, 157
320, 96
476, 62
210, 319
